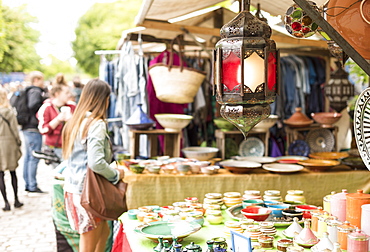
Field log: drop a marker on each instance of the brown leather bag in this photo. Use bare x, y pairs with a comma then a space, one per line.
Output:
102, 198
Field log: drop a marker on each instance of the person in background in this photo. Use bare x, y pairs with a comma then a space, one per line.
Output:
77, 88
60, 79
10, 148
85, 144
52, 116
32, 136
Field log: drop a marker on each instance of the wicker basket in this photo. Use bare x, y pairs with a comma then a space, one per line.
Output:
175, 84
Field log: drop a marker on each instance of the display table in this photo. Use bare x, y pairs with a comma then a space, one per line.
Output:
164, 189
140, 243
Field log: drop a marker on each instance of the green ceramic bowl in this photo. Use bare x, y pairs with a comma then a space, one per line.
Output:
136, 168
223, 124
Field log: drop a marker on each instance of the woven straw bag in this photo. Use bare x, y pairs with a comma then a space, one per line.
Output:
175, 84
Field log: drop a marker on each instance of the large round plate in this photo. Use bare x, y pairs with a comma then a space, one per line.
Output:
252, 146
262, 160
282, 168
362, 126
167, 230
320, 140
319, 164
241, 166
290, 159
329, 155
299, 148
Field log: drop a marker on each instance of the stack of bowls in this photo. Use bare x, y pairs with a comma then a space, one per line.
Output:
232, 198
232, 225
252, 231
213, 199
252, 194
268, 228
272, 195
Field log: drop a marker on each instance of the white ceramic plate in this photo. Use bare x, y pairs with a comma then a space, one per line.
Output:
252, 146
262, 160
282, 168
240, 164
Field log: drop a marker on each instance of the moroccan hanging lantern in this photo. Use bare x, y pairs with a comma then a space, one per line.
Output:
339, 90
245, 70
298, 23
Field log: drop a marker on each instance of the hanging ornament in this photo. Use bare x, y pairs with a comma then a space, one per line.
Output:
298, 23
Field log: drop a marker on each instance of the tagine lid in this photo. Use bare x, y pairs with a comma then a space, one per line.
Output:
298, 119
360, 195
340, 196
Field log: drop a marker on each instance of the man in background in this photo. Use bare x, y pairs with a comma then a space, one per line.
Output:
32, 137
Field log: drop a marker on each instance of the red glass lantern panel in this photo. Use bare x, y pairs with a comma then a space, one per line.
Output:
271, 74
230, 70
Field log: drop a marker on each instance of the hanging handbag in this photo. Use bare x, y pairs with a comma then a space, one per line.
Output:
102, 198
175, 84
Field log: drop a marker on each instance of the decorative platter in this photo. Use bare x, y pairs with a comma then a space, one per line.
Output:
320, 140
234, 213
261, 160
167, 230
329, 155
252, 146
290, 159
299, 148
362, 126
239, 166
282, 168
319, 164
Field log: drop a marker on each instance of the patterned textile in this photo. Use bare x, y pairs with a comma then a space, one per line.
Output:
79, 219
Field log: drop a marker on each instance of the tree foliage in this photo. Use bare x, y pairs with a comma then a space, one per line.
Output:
100, 28
17, 40
57, 66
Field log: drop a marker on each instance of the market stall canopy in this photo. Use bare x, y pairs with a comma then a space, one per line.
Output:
165, 19
167, 9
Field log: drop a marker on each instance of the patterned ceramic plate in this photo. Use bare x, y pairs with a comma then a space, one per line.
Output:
290, 159
262, 160
320, 140
282, 168
362, 126
299, 148
167, 230
252, 146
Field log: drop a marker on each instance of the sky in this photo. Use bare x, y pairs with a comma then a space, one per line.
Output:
57, 22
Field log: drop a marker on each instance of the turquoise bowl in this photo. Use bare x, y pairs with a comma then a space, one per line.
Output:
277, 210
132, 214
252, 202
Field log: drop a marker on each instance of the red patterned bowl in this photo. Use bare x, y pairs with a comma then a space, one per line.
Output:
256, 213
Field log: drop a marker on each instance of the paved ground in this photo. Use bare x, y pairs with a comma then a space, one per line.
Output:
30, 228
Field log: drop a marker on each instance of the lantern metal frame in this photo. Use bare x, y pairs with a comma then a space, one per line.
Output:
243, 36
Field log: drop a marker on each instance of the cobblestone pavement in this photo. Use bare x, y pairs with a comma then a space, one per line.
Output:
29, 228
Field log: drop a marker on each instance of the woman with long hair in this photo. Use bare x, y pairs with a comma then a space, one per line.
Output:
10, 148
52, 116
86, 143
